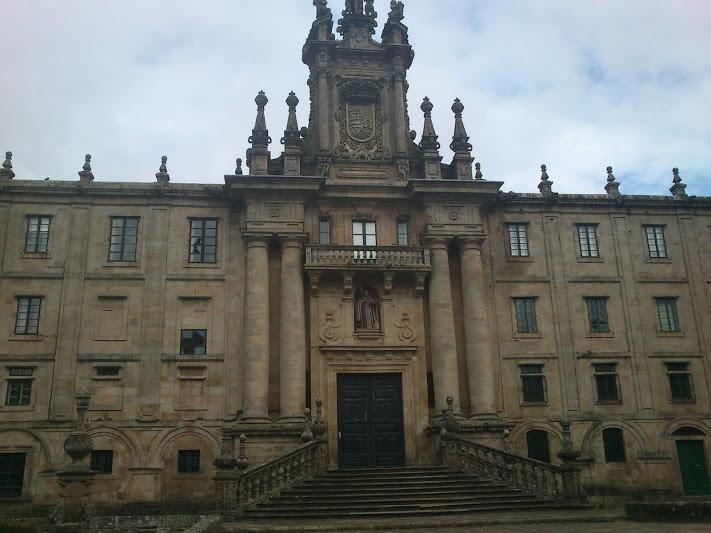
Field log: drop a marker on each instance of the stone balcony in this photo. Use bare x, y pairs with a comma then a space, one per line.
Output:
373, 258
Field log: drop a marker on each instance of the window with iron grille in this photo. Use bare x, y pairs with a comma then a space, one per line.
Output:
402, 236
606, 382
324, 231
28, 315
656, 244
613, 441
525, 315
538, 449
668, 316
518, 240
37, 238
587, 238
102, 461
12, 473
597, 315
193, 342
203, 240
188, 461
680, 382
533, 383
124, 236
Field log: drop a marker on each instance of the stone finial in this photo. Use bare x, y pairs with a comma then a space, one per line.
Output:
567, 452
242, 462
449, 422
319, 426
429, 136
307, 435
85, 175
678, 189
292, 135
508, 447
162, 176
546, 185
478, 175
397, 11
79, 444
260, 134
460, 139
238, 168
6, 172
322, 9
612, 187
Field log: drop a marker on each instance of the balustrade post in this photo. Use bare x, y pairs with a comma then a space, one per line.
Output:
572, 482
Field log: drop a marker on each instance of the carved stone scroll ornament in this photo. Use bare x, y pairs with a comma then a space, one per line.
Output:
367, 311
405, 331
360, 119
330, 332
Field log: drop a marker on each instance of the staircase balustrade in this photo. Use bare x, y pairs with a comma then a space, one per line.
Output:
324, 257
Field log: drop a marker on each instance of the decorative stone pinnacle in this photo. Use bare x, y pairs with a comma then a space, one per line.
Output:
567, 452
260, 135
358, 15
162, 176
429, 136
292, 135
319, 426
460, 139
6, 170
545, 186
85, 175
478, 175
612, 187
678, 189
242, 461
397, 11
427, 107
238, 169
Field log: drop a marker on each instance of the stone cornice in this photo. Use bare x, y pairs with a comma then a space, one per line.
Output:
602, 200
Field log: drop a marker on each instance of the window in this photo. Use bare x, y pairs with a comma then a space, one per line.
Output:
108, 371
102, 461
525, 315
533, 384
28, 315
614, 443
19, 386
518, 240
682, 388
668, 317
193, 342
597, 315
188, 461
203, 240
37, 233
538, 449
402, 239
606, 382
124, 235
324, 231
587, 237
12, 472
364, 234
655, 242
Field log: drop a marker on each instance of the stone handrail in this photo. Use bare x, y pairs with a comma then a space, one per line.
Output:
529, 475
279, 473
326, 257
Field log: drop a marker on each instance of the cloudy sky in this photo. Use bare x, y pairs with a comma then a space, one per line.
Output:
575, 84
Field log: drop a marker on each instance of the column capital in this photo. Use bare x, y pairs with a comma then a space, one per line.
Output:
292, 241
435, 242
472, 242
256, 240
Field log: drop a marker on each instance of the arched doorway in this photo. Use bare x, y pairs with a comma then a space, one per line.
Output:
692, 461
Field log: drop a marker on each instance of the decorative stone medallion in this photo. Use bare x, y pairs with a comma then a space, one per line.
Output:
361, 122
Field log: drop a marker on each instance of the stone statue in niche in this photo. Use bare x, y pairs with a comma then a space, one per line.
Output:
367, 311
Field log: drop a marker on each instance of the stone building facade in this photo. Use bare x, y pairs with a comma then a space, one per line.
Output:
358, 268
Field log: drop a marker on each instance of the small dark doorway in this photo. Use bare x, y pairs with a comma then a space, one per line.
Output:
692, 462
370, 421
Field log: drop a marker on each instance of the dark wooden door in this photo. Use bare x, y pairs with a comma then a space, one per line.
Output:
692, 461
370, 425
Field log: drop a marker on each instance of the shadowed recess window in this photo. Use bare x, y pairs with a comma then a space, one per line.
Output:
656, 245
324, 231
19, 386
587, 237
613, 441
518, 240
203, 240
682, 388
193, 342
533, 384
606, 382
124, 235
402, 237
525, 315
108, 371
188, 461
102, 461
28, 315
538, 449
37, 233
12, 472
597, 315
668, 316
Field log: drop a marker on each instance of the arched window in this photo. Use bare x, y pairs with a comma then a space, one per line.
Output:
613, 441
538, 447
688, 431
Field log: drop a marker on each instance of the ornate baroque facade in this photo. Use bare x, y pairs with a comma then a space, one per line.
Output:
357, 268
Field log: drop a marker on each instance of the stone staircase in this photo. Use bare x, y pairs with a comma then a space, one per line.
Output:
395, 492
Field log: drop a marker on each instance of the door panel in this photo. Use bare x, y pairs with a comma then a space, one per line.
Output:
692, 462
370, 420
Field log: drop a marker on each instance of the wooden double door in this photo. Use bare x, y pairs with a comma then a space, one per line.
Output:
370, 421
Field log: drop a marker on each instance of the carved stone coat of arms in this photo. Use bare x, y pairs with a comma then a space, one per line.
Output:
360, 120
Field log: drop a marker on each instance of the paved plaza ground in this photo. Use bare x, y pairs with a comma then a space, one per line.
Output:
606, 527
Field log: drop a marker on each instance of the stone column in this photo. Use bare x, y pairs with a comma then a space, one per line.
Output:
401, 135
292, 352
443, 347
323, 106
256, 331
480, 360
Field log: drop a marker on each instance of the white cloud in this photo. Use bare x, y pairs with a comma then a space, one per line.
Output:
577, 85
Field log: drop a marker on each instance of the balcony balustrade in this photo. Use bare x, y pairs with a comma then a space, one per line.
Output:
387, 258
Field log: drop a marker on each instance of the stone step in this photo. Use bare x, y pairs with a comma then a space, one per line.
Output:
366, 472
370, 502
418, 483
392, 479
396, 491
